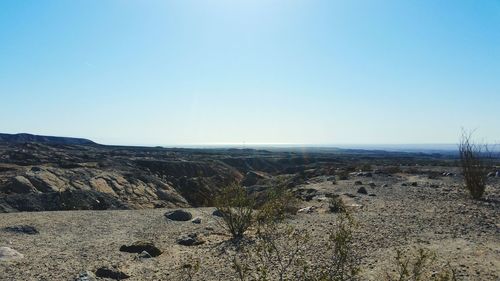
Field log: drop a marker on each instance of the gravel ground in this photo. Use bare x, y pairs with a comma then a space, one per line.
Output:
442, 218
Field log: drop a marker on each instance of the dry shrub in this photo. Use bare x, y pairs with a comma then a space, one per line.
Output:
337, 205
236, 207
279, 204
474, 165
418, 267
282, 252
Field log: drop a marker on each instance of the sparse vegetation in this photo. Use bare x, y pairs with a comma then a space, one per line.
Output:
282, 252
236, 207
474, 165
189, 269
419, 267
337, 205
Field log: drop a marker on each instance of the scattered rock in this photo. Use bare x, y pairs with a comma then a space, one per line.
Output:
307, 210
190, 240
179, 215
350, 195
22, 229
414, 183
358, 183
385, 185
218, 213
491, 174
196, 220
85, 276
112, 273
362, 190
141, 246
372, 194
364, 174
8, 254
404, 184
372, 184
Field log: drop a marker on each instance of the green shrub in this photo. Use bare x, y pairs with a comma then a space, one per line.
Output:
418, 267
236, 207
336, 205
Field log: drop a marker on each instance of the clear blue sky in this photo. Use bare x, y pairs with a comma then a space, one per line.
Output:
228, 71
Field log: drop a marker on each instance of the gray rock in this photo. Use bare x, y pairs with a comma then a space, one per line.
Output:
196, 220
9, 254
372, 184
358, 183
22, 229
414, 183
362, 190
179, 215
385, 185
190, 240
218, 213
111, 272
85, 276
145, 255
142, 246
491, 174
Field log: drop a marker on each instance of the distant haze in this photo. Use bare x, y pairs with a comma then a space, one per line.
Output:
251, 72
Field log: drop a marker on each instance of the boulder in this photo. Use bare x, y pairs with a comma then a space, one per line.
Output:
179, 215
22, 229
142, 246
111, 272
9, 254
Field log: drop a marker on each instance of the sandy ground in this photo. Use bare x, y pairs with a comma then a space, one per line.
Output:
462, 232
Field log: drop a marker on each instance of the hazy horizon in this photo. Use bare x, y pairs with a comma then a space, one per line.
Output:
293, 72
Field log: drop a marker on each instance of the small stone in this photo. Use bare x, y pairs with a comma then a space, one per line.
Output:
196, 220
8, 254
190, 240
218, 213
141, 246
358, 183
144, 255
179, 215
414, 183
22, 229
112, 273
385, 185
85, 276
362, 190
372, 184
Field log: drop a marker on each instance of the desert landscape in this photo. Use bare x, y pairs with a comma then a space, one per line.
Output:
69, 208
249, 140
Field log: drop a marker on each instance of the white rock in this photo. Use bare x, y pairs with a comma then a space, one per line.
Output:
8, 254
